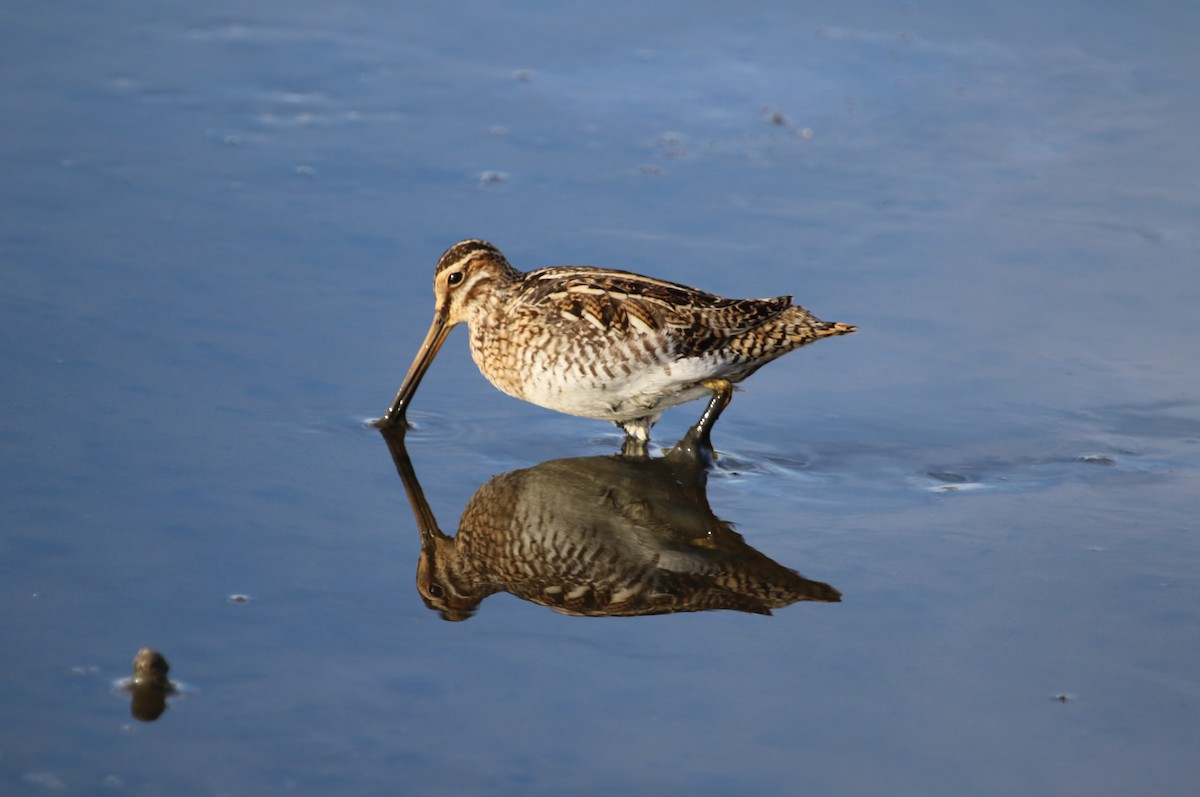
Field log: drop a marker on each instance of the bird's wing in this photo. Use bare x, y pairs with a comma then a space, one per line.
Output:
620, 302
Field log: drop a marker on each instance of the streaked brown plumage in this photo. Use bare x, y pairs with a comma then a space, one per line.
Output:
597, 536
602, 343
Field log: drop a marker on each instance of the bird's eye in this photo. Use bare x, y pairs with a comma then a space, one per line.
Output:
454, 278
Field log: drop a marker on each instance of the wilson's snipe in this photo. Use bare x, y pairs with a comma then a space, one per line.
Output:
601, 343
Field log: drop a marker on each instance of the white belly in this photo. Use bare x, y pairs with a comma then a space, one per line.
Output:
591, 391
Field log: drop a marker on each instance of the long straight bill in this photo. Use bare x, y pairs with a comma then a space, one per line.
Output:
438, 331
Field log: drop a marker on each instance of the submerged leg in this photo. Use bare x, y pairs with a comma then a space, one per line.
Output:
633, 448
638, 428
637, 435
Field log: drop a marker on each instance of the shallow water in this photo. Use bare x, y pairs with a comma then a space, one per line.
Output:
218, 236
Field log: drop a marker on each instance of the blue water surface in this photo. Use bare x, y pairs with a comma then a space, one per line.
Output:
217, 242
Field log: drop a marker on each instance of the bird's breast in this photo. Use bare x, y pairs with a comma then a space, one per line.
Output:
588, 375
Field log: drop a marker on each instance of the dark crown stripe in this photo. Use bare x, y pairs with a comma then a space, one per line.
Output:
465, 251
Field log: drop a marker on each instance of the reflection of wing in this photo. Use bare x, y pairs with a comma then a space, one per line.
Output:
603, 536
657, 592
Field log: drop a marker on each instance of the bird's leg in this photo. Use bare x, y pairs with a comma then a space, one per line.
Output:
722, 393
633, 447
637, 435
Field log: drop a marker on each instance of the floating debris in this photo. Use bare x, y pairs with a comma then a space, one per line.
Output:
774, 116
957, 488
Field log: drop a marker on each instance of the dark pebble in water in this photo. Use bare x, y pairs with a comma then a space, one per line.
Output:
238, 598
149, 687
150, 668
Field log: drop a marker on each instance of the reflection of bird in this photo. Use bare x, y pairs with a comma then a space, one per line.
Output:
610, 535
601, 343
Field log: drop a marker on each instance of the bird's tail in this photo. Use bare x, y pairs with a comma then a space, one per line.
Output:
826, 328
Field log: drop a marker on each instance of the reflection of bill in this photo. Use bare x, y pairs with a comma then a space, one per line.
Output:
597, 536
